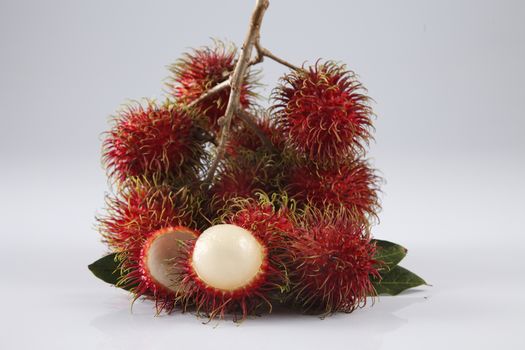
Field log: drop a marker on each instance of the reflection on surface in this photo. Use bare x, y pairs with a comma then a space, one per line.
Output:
365, 328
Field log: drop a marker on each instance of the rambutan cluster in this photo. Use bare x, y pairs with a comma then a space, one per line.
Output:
287, 215
326, 119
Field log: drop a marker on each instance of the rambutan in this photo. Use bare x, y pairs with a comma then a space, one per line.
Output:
236, 267
331, 264
200, 70
143, 225
265, 214
233, 181
244, 138
324, 111
352, 186
154, 139
243, 175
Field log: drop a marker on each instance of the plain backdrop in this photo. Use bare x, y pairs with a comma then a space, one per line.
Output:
447, 78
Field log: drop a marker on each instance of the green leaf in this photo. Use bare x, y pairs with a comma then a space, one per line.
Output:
397, 280
107, 269
389, 253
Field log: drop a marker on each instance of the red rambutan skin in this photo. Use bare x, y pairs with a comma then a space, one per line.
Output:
152, 140
267, 226
141, 209
233, 182
242, 176
244, 138
250, 166
331, 265
200, 70
324, 111
145, 282
352, 186
262, 218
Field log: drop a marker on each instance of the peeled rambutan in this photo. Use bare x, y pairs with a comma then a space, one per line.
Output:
236, 267
331, 264
324, 111
152, 140
142, 226
200, 70
352, 186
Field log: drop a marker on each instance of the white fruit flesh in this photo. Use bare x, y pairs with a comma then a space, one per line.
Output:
160, 256
227, 257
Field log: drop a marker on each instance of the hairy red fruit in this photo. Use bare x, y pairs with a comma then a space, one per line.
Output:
201, 69
242, 176
244, 138
353, 186
232, 182
331, 266
268, 226
261, 217
324, 112
153, 140
133, 218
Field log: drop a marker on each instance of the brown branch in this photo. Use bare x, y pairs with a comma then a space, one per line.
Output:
261, 53
236, 81
210, 93
264, 52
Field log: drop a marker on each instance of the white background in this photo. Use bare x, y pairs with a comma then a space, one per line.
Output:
448, 81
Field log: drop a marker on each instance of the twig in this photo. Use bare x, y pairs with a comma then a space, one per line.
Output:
264, 52
261, 53
211, 92
236, 81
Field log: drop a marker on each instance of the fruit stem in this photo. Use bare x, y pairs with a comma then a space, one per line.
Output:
264, 52
261, 53
210, 93
236, 80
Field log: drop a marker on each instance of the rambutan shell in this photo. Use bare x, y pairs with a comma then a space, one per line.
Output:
160, 253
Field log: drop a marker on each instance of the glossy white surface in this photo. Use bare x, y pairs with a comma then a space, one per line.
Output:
447, 77
227, 257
